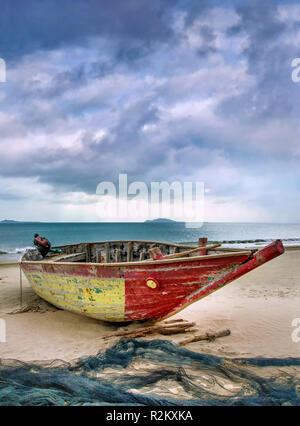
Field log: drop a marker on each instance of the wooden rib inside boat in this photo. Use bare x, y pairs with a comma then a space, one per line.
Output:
137, 280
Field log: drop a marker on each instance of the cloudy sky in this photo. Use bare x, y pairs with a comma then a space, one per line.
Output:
163, 90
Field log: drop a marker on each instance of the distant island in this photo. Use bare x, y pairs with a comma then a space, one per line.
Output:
10, 221
161, 220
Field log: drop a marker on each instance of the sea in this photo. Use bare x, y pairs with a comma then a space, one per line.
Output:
16, 237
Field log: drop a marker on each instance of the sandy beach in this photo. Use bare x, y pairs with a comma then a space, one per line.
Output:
258, 308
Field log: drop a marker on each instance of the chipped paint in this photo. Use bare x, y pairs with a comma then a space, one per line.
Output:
99, 298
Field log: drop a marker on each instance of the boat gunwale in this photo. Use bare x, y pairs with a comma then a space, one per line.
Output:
139, 262
166, 243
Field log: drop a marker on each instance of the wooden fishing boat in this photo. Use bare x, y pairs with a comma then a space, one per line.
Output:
117, 281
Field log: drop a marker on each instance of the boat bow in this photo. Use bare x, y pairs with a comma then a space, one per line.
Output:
259, 258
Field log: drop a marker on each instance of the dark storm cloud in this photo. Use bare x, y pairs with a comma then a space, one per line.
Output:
269, 53
29, 25
209, 39
98, 159
151, 97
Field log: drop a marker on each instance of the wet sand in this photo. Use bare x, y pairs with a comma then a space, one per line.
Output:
258, 308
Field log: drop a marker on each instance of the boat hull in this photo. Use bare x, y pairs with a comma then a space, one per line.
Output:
146, 290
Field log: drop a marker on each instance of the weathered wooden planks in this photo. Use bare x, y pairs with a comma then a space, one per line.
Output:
73, 257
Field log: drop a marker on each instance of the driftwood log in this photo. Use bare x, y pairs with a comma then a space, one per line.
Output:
170, 327
160, 328
176, 330
173, 320
206, 336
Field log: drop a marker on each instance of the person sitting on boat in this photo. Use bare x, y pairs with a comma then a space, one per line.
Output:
42, 244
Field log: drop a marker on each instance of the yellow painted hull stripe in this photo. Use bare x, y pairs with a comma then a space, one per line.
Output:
101, 298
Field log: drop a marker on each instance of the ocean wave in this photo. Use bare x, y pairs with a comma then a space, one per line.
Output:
256, 242
17, 250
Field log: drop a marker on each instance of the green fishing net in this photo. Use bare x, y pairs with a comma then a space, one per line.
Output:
156, 373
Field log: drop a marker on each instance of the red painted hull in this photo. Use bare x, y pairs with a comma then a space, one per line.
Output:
178, 282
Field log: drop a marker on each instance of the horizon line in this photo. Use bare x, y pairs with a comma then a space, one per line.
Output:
144, 221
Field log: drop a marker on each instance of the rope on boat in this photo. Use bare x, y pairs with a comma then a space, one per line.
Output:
21, 287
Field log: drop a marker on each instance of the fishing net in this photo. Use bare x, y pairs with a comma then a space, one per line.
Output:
157, 373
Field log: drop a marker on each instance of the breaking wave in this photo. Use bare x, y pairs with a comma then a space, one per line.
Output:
257, 242
157, 373
17, 250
